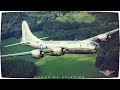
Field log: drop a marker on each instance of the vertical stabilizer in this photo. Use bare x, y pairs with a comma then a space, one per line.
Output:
27, 35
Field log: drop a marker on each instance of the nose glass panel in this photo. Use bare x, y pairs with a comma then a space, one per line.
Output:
94, 44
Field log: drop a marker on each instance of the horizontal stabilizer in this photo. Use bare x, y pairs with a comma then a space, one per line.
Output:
43, 38
16, 44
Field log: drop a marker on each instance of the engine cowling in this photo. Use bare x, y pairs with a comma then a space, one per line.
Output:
58, 52
104, 37
37, 53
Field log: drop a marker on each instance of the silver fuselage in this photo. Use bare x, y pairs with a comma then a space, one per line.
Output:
74, 47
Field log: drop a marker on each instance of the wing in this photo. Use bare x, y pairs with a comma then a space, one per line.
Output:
103, 37
17, 54
37, 53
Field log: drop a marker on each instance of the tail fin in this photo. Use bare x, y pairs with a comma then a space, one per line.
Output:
27, 35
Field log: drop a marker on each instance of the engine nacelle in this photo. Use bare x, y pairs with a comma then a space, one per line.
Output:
104, 37
58, 52
37, 53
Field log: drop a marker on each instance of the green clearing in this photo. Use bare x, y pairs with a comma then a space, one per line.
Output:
78, 17
66, 66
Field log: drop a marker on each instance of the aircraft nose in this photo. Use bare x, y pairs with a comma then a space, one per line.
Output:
94, 49
97, 47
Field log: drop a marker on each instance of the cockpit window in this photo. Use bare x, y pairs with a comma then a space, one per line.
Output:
94, 43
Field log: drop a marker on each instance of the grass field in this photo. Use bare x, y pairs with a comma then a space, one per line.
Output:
66, 66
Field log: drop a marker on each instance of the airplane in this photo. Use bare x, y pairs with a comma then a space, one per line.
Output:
58, 48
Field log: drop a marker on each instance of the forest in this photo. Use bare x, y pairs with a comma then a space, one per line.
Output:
69, 25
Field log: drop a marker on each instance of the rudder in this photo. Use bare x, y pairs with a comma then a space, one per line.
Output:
27, 35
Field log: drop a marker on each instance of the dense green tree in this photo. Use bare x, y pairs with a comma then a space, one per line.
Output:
108, 57
18, 69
